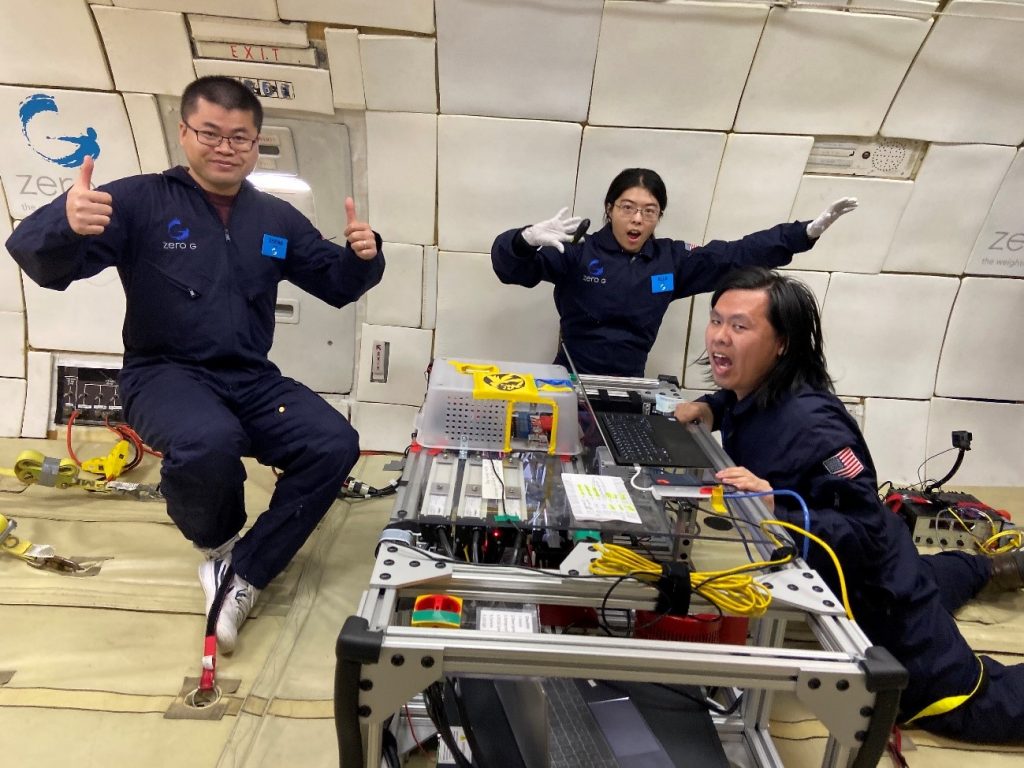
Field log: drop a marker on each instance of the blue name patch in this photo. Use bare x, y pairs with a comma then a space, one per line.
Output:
274, 247
663, 283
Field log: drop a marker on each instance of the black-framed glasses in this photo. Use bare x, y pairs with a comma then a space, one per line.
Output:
648, 212
213, 139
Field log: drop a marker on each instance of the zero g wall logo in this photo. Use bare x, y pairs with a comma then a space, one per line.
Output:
69, 151
178, 233
595, 272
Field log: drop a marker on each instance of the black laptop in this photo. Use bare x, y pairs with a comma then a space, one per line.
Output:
643, 439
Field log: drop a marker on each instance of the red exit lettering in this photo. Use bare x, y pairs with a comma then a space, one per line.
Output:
254, 53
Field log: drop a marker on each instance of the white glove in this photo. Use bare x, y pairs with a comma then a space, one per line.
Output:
553, 232
829, 215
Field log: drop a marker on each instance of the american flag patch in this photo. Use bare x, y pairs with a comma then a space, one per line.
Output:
844, 464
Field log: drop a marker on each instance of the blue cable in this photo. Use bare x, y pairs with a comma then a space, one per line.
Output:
795, 495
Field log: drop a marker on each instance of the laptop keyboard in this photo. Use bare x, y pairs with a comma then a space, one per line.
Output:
633, 438
576, 740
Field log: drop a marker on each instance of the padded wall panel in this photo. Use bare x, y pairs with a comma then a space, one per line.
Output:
148, 130
399, 73
757, 183
383, 427
12, 395
517, 59
56, 47
995, 457
224, 29
687, 161
952, 193
668, 355
984, 324
44, 151
87, 317
397, 298
392, 364
148, 51
411, 15
346, 68
280, 87
250, 9
827, 72
483, 192
12, 345
402, 151
674, 65
429, 315
695, 376
36, 418
479, 317
862, 311
967, 83
896, 433
999, 249
10, 276
859, 241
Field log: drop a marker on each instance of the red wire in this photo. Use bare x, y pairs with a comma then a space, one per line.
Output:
67, 438
412, 730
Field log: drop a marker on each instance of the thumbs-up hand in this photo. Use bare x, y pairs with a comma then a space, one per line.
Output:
358, 233
88, 210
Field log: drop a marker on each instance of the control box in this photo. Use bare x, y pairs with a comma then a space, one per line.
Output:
946, 519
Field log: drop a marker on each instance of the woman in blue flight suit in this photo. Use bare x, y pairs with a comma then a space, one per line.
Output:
613, 289
784, 429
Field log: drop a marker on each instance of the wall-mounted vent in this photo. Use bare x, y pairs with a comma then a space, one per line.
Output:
876, 157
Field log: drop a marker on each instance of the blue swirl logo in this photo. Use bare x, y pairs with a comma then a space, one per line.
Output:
176, 230
595, 268
86, 145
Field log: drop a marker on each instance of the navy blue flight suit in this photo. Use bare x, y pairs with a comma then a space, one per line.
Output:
901, 599
199, 322
611, 303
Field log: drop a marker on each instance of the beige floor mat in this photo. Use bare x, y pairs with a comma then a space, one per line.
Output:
97, 661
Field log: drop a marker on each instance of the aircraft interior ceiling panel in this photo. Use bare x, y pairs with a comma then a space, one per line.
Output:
861, 311
983, 354
827, 72
409, 15
952, 193
757, 183
392, 364
482, 192
86, 317
12, 345
531, 60
345, 67
859, 241
999, 248
479, 317
279, 86
397, 298
696, 376
12, 395
250, 9
402, 157
674, 65
39, 380
10, 276
896, 433
995, 457
59, 47
148, 51
687, 161
223, 29
967, 83
399, 73
383, 427
44, 150
668, 355
150, 142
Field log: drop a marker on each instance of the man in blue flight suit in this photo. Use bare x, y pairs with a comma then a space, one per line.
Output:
612, 290
784, 429
200, 253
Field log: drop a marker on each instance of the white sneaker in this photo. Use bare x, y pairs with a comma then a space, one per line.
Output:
211, 576
237, 604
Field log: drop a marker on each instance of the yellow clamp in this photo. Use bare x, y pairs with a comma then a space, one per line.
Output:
112, 465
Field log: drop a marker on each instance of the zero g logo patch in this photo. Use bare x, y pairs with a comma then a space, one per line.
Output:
178, 233
77, 147
506, 382
595, 272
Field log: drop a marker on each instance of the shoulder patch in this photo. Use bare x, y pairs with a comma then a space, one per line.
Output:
844, 464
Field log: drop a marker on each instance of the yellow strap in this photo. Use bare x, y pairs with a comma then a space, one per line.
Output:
949, 703
29, 469
12, 545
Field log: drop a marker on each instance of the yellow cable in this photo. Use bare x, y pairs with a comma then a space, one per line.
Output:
823, 545
1016, 542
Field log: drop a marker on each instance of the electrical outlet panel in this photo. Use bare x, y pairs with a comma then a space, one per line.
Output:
93, 392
